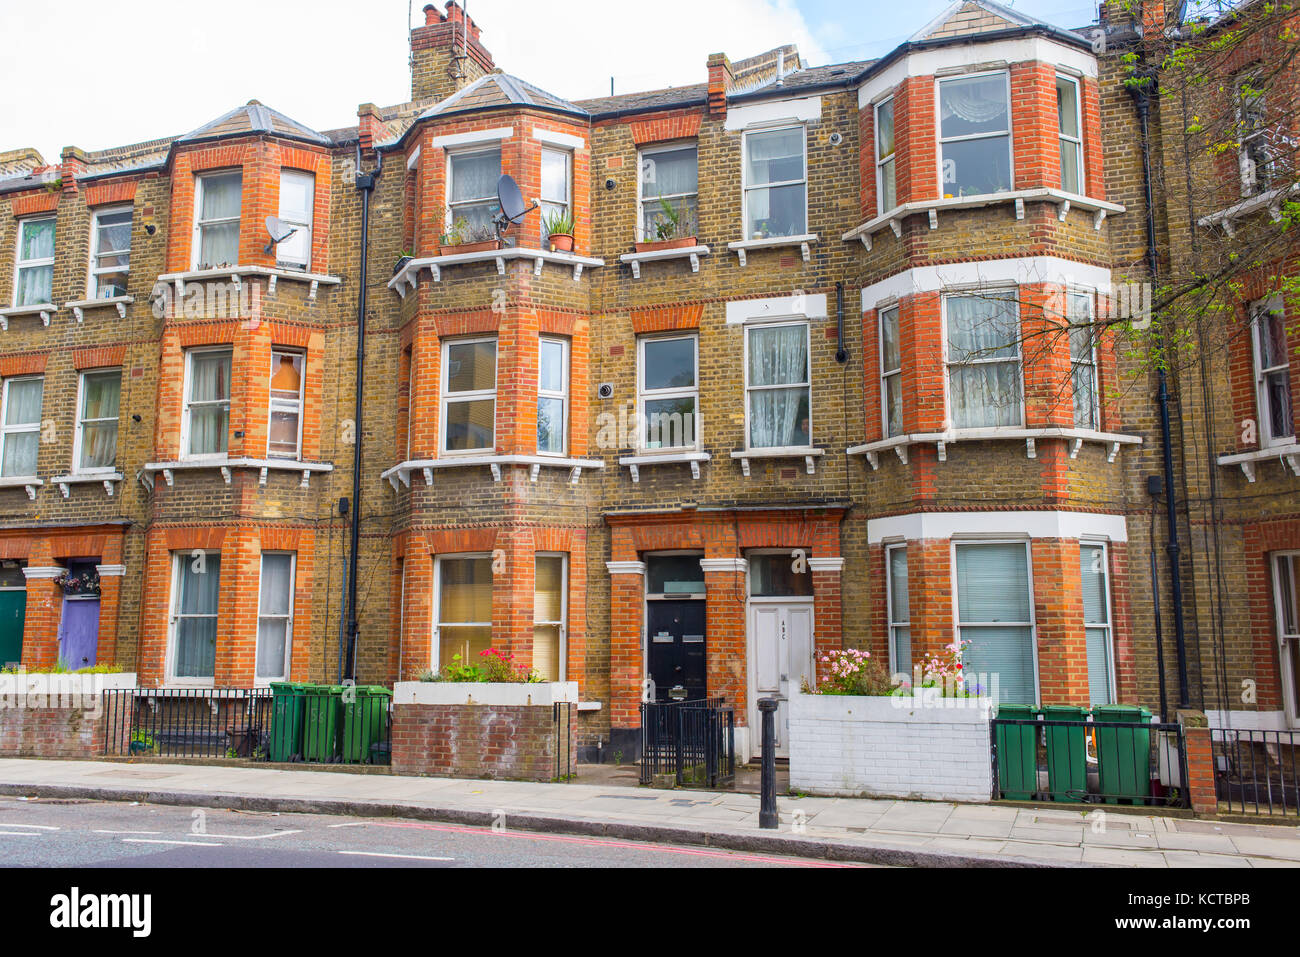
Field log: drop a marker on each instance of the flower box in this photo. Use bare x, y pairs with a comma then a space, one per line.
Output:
65, 685
485, 246
686, 242
512, 693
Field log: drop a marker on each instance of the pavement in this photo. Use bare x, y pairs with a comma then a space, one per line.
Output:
888, 832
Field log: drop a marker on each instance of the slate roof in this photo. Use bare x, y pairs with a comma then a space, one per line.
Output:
501, 90
254, 117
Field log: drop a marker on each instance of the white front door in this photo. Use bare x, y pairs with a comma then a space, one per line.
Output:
781, 656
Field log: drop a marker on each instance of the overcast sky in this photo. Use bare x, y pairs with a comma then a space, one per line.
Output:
113, 72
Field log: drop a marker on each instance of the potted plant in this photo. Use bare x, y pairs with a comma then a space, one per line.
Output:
465, 237
672, 227
558, 226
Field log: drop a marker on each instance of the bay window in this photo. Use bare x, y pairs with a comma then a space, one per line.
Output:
552, 395
669, 176
97, 410
464, 601
284, 433
206, 422
1093, 571
20, 432
297, 202
885, 183
196, 588
984, 385
776, 185
1083, 360
218, 198
995, 614
1070, 133
900, 624
469, 395
778, 388
275, 616
550, 607
34, 267
555, 198
1272, 373
668, 393
472, 188
975, 134
891, 373
110, 255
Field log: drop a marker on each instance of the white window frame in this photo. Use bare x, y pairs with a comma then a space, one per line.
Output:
187, 405
96, 270
1110, 614
82, 421
643, 202
1263, 408
563, 623
445, 399
303, 227
438, 623
1288, 644
258, 680
173, 622
892, 625
751, 327
948, 363
1010, 130
452, 155
746, 187
546, 203
1253, 180
881, 163
1032, 624
1062, 137
275, 404
887, 374
644, 395
562, 394
1089, 296
24, 428
40, 263
200, 184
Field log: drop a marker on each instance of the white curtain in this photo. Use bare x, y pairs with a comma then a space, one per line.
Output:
273, 611
35, 282
209, 422
983, 327
975, 105
778, 417
1096, 618
22, 407
100, 397
899, 610
196, 626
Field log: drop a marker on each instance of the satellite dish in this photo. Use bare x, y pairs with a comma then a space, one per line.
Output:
513, 209
279, 231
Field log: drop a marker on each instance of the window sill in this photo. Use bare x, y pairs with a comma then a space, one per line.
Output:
741, 249
120, 302
899, 444
1064, 202
1271, 200
807, 453
237, 274
168, 469
64, 482
693, 253
29, 482
402, 473
42, 309
408, 277
636, 462
1288, 455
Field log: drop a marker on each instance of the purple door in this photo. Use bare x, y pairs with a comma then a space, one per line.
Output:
79, 632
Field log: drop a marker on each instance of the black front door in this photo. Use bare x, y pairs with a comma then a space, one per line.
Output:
675, 638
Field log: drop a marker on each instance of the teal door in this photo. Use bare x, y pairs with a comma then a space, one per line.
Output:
13, 608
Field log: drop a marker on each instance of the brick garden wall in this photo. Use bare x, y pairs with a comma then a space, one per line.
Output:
500, 742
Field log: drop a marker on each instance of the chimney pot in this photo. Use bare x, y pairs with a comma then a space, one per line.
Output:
431, 15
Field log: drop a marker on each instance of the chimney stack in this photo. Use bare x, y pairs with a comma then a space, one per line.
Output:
446, 53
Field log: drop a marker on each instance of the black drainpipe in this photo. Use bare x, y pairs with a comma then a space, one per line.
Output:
348, 640
841, 354
1142, 92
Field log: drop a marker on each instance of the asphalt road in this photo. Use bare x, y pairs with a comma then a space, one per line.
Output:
60, 833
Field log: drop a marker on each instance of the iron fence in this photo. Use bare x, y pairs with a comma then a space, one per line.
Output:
694, 741
1096, 762
296, 723
1255, 771
562, 727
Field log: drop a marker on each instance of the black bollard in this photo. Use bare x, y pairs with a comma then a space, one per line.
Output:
767, 816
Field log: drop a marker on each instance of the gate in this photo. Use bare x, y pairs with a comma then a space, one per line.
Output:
1255, 771
694, 741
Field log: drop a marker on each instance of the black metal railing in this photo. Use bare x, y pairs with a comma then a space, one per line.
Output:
694, 741
293, 724
1255, 772
1097, 762
562, 725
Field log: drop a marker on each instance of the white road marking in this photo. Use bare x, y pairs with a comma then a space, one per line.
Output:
19, 834
353, 824
38, 827
125, 832
141, 840
405, 857
253, 837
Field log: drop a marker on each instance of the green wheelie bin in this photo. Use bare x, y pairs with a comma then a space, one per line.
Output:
1017, 753
1067, 756
320, 722
286, 720
365, 715
1124, 754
